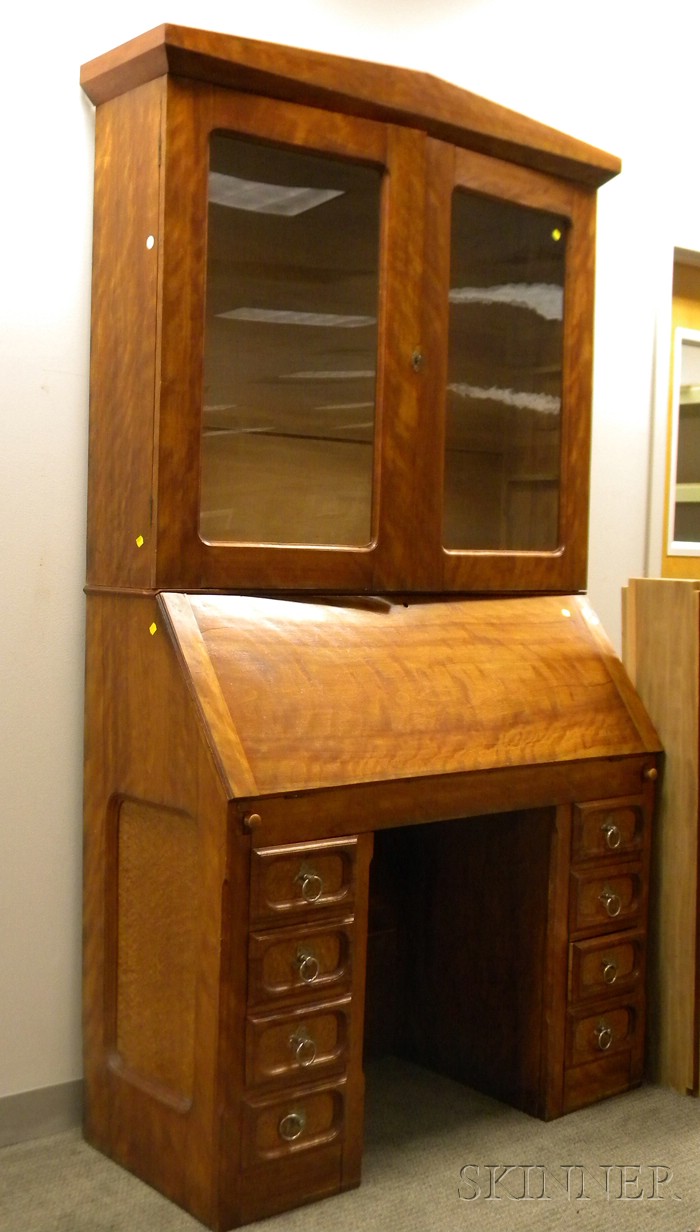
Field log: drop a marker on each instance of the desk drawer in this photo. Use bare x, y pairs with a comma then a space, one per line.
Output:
603, 1033
300, 962
606, 899
609, 966
291, 1123
301, 880
299, 1045
606, 828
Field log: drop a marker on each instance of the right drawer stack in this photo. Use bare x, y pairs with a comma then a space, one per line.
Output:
607, 942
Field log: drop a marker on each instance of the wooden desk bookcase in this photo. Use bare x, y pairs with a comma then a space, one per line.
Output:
362, 771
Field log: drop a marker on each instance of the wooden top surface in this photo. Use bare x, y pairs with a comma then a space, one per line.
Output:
396, 95
305, 695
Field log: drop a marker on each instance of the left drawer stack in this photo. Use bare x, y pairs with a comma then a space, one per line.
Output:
299, 1023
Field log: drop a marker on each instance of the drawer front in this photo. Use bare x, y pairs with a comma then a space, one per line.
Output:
295, 962
593, 1036
607, 828
290, 1124
297, 881
610, 966
297, 1046
606, 899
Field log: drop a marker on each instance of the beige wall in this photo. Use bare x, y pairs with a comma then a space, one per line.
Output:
600, 71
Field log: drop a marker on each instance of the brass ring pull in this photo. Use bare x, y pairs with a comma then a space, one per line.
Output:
311, 884
613, 837
604, 1036
303, 1046
611, 901
609, 970
308, 964
292, 1126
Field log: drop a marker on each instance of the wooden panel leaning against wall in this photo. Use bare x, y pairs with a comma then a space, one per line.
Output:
662, 654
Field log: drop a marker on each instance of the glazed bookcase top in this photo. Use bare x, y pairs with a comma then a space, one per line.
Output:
429, 431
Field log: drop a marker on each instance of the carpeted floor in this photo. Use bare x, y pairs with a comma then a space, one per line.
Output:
436, 1160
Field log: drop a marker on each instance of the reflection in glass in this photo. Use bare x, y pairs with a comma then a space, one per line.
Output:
291, 343
503, 431
685, 501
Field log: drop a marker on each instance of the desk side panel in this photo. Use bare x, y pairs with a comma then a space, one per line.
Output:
158, 888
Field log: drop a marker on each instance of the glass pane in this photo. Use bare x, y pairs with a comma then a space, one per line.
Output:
291, 343
686, 505
502, 462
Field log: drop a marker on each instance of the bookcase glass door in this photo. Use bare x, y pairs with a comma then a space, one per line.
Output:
288, 428
504, 391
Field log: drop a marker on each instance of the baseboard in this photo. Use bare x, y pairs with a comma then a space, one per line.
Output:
36, 1114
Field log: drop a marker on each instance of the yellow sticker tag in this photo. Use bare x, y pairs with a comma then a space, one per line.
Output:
556, 235
139, 541
153, 628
